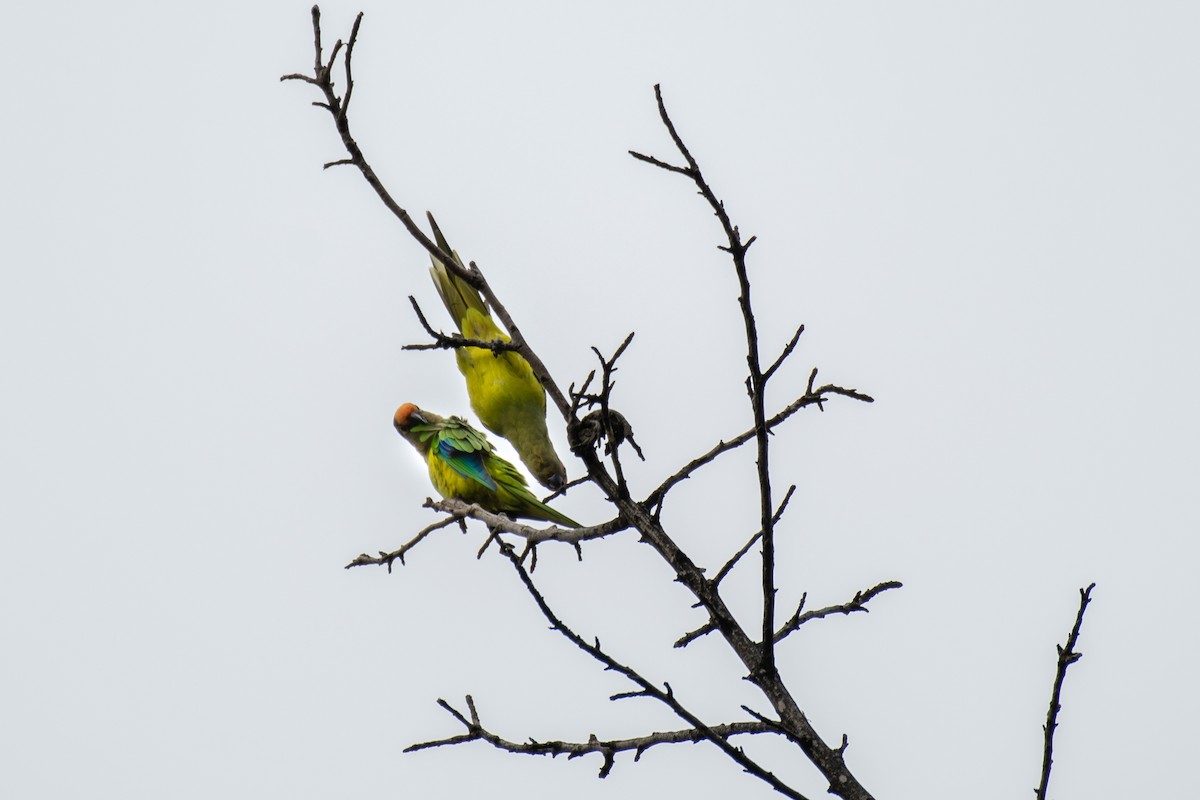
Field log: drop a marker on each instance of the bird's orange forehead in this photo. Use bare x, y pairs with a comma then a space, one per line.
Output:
403, 413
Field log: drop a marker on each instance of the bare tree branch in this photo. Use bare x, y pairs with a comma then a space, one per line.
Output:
387, 558
453, 341
858, 603
810, 398
757, 385
607, 748
732, 562
787, 351
646, 688
709, 627
662, 164
1067, 655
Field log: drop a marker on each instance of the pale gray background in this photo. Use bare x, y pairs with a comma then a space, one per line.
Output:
985, 213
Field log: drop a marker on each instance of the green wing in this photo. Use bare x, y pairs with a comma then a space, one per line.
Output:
463, 448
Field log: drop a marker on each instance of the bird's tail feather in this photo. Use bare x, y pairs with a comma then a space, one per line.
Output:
457, 295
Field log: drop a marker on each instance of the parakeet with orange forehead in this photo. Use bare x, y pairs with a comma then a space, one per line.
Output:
462, 465
504, 392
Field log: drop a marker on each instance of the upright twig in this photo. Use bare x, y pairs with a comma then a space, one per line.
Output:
757, 656
757, 380
1067, 655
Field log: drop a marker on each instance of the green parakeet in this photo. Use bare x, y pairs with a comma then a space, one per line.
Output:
462, 465
504, 392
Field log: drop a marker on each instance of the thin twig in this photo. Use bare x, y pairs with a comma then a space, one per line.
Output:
453, 341
1067, 655
605, 424
709, 627
787, 351
732, 562
857, 603
387, 558
810, 398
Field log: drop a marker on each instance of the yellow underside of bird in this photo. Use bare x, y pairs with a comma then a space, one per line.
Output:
511, 495
504, 393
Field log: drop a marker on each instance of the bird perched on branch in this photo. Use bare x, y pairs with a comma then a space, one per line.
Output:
504, 392
462, 465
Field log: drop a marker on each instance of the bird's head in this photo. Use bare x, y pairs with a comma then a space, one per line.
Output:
552, 475
408, 415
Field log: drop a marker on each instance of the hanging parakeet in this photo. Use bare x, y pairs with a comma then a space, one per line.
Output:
462, 465
504, 392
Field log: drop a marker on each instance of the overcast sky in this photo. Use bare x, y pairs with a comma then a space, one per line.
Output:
986, 215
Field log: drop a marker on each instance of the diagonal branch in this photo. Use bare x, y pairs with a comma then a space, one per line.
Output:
646, 689
857, 603
732, 562
787, 351
661, 164
387, 558
1067, 655
710, 626
338, 108
811, 397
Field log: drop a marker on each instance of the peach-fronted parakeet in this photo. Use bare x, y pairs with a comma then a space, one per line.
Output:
462, 465
504, 392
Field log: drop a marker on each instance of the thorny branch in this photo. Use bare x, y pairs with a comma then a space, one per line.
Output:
607, 748
1067, 655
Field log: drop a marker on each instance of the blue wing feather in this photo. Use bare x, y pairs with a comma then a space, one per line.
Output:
467, 463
